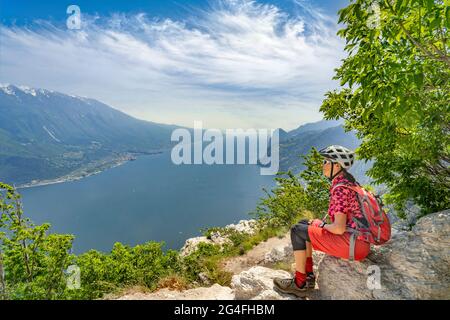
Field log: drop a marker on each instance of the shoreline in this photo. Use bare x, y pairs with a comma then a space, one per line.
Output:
87, 171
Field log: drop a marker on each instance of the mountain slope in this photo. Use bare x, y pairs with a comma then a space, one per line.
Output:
301, 143
46, 134
313, 126
319, 135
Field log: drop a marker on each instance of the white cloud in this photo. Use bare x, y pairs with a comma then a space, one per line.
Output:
237, 64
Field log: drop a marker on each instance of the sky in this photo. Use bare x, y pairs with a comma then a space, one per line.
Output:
227, 63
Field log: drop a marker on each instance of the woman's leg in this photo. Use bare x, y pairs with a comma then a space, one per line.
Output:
300, 260
300, 242
299, 284
309, 262
300, 257
308, 249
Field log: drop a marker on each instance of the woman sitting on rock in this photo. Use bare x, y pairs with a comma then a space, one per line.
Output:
331, 239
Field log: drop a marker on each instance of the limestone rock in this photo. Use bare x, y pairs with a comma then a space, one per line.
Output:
257, 284
279, 253
191, 245
216, 238
413, 265
244, 226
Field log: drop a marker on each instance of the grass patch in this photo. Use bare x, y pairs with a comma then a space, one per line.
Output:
173, 282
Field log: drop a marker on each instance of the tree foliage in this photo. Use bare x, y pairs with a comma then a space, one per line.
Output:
396, 94
296, 196
32, 261
143, 265
316, 184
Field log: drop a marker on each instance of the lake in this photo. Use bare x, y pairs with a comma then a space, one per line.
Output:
147, 199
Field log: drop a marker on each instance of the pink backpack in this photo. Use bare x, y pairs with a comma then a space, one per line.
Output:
375, 226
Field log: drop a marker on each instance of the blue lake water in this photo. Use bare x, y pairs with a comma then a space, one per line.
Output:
147, 199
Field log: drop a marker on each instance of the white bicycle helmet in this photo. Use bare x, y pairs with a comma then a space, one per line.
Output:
345, 157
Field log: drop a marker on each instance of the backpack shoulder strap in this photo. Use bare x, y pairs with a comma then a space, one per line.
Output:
341, 184
351, 187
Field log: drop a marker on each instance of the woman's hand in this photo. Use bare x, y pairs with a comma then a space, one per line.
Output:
339, 225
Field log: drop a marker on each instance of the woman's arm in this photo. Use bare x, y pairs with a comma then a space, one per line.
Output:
339, 225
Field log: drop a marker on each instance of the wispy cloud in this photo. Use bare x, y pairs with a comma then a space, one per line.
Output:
237, 64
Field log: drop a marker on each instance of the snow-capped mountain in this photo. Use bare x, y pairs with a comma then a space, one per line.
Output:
44, 133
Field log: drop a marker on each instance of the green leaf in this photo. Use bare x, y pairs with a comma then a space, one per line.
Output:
447, 17
429, 4
418, 78
435, 23
399, 4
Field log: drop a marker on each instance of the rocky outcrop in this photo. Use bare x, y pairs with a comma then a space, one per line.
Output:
257, 284
217, 237
244, 226
191, 244
413, 265
281, 252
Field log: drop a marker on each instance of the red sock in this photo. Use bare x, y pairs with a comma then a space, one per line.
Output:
300, 278
309, 265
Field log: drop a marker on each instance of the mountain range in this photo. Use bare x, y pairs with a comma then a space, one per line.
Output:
47, 135
298, 142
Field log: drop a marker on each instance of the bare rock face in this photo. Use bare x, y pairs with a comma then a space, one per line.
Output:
257, 284
191, 244
413, 265
281, 252
244, 226
215, 292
